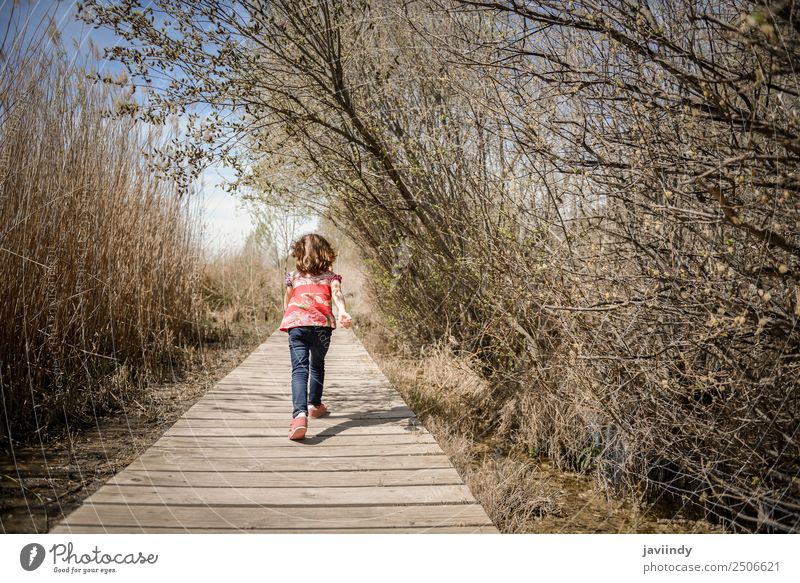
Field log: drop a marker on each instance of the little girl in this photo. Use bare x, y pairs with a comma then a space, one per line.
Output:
308, 320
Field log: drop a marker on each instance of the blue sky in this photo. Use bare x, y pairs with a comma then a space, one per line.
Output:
227, 224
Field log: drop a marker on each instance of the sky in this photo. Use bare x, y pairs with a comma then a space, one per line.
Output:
227, 223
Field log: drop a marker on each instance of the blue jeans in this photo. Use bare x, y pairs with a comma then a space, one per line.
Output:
308, 346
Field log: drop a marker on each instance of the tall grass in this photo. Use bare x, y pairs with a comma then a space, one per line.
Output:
99, 261
242, 289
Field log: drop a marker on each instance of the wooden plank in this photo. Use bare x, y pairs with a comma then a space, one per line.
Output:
285, 390
334, 440
263, 517
337, 420
308, 464
343, 496
285, 479
264, 381
281, 431
285, 412
299, 450
81, 529
268, 380
399, 413
268, 377
285, 406
399, 423
285, 398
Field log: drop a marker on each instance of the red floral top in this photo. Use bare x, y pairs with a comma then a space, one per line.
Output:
310, 302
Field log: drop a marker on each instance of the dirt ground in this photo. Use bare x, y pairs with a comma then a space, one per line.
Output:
571, 503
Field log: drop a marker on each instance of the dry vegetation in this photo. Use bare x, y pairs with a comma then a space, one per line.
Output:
518, 485
242, 289
98, 263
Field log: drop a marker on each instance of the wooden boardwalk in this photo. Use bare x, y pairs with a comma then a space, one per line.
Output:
227, 466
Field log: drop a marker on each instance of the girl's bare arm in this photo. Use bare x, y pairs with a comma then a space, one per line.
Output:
338, 299
286, 297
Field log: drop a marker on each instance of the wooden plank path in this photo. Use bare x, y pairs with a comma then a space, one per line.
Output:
227, 465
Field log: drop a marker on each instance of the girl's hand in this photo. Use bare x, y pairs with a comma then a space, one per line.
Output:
345, 319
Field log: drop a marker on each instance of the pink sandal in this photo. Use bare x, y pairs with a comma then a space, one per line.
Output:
297, 428
315, 412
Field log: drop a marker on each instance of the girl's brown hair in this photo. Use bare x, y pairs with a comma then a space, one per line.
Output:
313, 254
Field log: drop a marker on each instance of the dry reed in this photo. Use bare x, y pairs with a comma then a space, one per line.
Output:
99, 263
